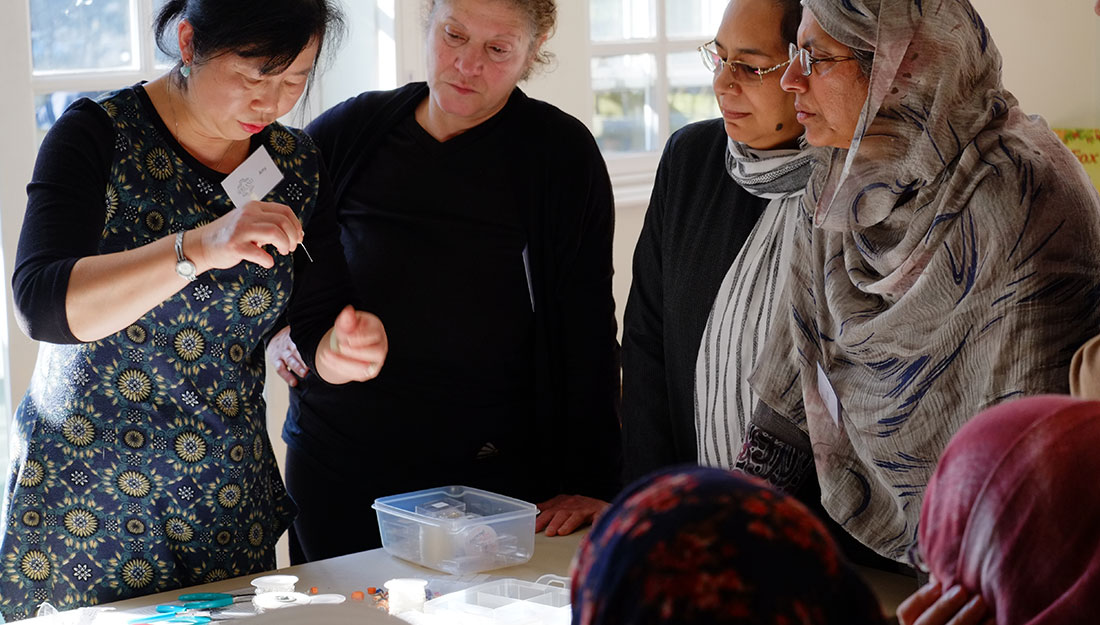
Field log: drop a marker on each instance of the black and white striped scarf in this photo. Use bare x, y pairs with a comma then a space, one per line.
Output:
746, 302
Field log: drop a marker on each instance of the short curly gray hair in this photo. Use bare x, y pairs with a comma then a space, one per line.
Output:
542, 15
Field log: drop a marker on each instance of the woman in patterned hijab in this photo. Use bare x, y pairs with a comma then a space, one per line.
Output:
949, 258
703, 545
1008, 514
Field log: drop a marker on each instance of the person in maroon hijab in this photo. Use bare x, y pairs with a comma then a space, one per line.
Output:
1011, 518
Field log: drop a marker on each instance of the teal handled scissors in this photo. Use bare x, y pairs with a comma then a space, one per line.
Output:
193, 610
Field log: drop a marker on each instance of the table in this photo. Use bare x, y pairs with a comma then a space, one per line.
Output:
358, 571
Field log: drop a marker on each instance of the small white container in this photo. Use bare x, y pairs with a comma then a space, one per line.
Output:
405, 594
275, 583
495, 531
504, 602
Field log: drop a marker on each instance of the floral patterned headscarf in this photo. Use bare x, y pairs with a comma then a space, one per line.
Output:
703, 545
1012, 511
947, 261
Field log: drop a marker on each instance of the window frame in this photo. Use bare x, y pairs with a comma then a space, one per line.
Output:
632, 173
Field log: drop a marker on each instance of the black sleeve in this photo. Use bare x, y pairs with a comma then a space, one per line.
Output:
66, 209
321, 287
592, 454
321, 284
647, 429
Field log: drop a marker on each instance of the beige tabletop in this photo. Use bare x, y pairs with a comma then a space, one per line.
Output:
357, 572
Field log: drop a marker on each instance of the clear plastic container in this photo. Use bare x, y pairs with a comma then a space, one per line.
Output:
494, 531
504, 602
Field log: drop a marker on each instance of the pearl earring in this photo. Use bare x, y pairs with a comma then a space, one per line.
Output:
185, 70
731, 85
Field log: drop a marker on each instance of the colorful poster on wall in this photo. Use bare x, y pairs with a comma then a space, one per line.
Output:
1085, 145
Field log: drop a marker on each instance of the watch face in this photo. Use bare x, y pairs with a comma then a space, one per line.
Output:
186, 269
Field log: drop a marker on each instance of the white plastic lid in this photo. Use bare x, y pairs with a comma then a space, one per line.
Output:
273, 583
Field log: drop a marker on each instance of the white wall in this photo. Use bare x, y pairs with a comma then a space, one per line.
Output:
16, 116
1051, 53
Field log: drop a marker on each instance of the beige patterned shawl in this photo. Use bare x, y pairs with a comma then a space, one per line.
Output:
948, 260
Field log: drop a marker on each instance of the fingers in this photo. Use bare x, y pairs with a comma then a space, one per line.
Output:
360, 336
542, 520
915, 605
352, 369
285, 218
354, 349
973, 613
955, 607
286, 374
285, 358
290, 368
557, 521
546, 509
568, 524
564, 514
241, 235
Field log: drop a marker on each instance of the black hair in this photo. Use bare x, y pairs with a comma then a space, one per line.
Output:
792, 17
273, 30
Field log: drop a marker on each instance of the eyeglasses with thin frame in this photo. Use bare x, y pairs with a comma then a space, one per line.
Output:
806, 61
742, 73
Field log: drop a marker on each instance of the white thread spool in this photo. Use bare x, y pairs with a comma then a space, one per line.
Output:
406, 594
274, 583
275, 600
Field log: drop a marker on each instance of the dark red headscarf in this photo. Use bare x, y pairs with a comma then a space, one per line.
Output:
703, 545
1013, 511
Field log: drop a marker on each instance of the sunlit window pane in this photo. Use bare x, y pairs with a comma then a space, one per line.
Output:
48, 107
613, 20
690, 94
74, 35
693, 19
162, 60
625, 119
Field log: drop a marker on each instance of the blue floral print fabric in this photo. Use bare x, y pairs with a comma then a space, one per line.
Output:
142, 461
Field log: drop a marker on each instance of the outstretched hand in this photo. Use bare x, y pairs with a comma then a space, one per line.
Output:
564, 514
931, 606
354, 349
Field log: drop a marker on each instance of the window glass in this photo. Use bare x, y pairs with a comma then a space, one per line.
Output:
613, 20
81, 35
690, 94
693, 19
49, 106
625, 119
162, 59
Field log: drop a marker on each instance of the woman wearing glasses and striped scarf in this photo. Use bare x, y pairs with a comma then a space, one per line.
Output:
710, 261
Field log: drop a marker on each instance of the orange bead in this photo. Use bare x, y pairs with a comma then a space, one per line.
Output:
357, 595
372, 590
313, 590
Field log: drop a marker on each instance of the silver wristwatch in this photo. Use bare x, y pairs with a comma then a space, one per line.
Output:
184, 267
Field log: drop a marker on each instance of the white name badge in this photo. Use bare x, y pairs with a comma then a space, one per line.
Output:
253, 179
828, 395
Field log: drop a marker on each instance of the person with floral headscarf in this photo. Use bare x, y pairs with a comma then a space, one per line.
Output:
1007, 516
948, 259
704, 545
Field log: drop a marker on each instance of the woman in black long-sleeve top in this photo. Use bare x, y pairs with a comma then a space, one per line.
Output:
479, 223
708, 267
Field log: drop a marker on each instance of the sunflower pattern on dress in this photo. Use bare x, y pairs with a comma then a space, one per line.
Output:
142, 461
